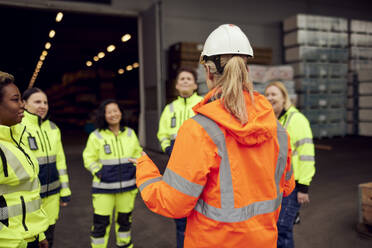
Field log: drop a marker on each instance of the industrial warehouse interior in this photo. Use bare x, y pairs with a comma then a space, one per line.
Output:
81, 53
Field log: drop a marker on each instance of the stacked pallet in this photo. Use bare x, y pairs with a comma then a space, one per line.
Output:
317, 48
360, 80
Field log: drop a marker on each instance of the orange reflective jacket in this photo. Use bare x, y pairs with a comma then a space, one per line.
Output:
227, 178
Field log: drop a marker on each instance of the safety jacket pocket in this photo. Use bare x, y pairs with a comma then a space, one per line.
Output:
4, 216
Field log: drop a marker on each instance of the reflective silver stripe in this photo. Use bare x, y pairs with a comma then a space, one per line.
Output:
129, 134
93, 166
171, 107
49, 187
289, 118
52, 125
307, 158
124, 235
65, 185
116, 185
303, 141
215, 133
227, 212
15, 164
62, 172
181, 184
16, 210
114, 161
173, 136
164, 139
96, 132
97, 241
46, 159
23, 186
148, 182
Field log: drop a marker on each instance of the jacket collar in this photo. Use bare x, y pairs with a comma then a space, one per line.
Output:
12, 134
187, 99
33, 118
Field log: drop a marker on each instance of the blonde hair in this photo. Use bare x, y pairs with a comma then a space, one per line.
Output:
283, 89
232, 83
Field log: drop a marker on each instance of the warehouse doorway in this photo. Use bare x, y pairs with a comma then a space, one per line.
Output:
92, 56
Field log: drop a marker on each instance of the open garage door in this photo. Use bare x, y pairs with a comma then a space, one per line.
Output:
151, 89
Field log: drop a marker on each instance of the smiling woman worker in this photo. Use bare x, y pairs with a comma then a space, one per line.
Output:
114, 185
303, 158
44, 140
22, 220
174, 114
230, 165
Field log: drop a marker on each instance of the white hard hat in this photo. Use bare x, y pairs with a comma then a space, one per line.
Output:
227, 39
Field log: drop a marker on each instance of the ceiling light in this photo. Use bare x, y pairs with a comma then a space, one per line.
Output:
59, 17
110, 48
135, 65
52, 33
121, 71
47, 45
42, 58
101, 55
129, 68
95, 58
89, 63
125, 37
45, 53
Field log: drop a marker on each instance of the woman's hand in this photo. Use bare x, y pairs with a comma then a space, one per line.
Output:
43, 244
303, 198
134, 160
63, 204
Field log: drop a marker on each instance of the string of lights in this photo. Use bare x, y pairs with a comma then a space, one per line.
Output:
44, 53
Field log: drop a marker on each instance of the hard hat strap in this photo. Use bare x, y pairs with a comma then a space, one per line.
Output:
216, 59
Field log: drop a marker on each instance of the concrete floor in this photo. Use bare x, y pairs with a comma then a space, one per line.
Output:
327, 222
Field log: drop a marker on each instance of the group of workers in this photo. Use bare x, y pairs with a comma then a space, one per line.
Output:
240, 163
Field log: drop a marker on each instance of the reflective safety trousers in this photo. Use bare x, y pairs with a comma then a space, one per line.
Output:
21, 215
43, 138
172, 117
303, 158
106, 157
227, 178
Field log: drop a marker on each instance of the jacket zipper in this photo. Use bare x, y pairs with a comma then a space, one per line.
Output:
47, 156
23, 213
117, 146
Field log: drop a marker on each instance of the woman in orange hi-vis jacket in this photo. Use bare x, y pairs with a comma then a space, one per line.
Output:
230, 165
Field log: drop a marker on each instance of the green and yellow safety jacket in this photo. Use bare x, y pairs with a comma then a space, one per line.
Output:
106, 157
303, 155
43, 138
21, 216
174, 114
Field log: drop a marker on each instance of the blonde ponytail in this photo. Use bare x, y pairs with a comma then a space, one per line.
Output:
231, 85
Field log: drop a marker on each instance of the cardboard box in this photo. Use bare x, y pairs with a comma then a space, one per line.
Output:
365, 202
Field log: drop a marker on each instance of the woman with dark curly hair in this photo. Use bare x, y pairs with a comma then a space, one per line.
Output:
22, 219
106, 156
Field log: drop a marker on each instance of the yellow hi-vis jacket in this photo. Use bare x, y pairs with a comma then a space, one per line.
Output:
174, 114
106, 157
21, 216
303, 155
43, 138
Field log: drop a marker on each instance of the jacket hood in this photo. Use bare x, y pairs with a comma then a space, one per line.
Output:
261, 125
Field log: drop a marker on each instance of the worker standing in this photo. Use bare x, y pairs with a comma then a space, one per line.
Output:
303, 158
44, 140
22, 219
230, 165
106, 156
174, 114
